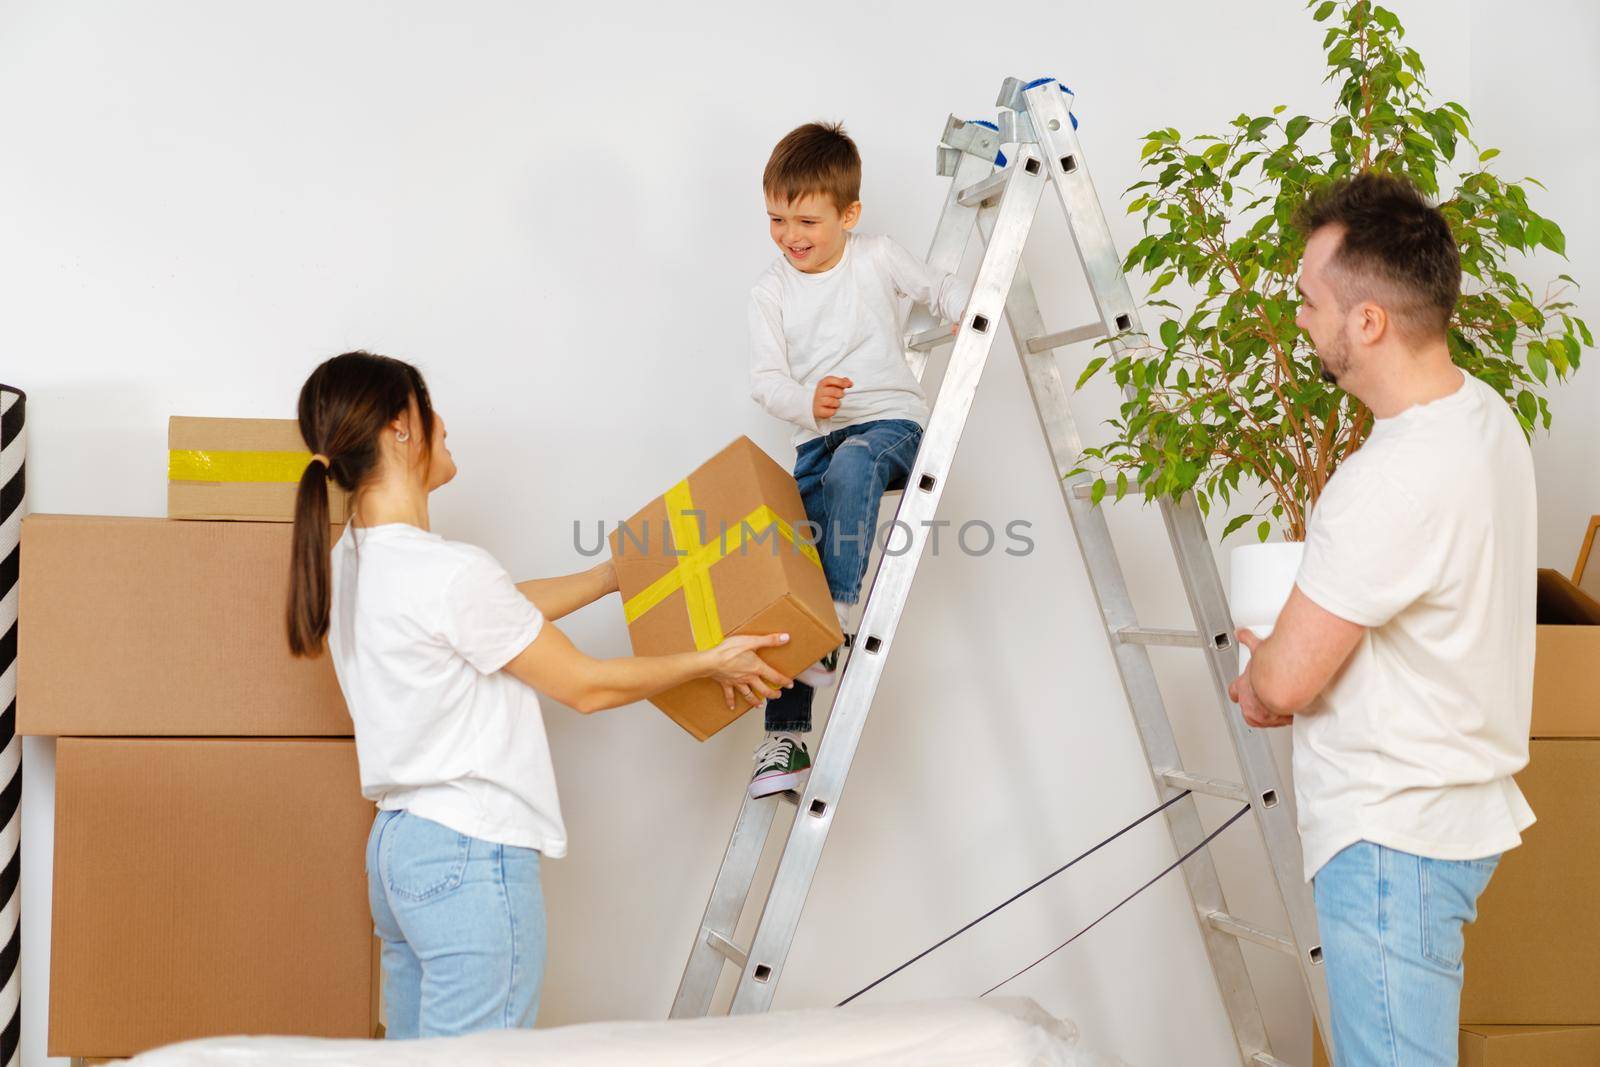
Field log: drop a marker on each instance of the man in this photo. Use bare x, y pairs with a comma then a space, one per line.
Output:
1404, 656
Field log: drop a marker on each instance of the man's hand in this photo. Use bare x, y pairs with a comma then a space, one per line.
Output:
825, 401
1243, 693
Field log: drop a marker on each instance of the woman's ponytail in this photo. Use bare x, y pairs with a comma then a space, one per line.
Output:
344, 407
310, 592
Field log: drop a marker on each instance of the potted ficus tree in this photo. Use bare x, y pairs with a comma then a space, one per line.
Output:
1226, 398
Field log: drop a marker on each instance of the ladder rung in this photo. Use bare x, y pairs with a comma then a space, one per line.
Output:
1085, 491
1087, 332
1222, 921
790, 795
1211, 787
987, 189
735, 955
928, 340
1156, 635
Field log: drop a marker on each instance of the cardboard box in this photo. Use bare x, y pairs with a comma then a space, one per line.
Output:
239, 469
207, 887
1566, 671
725, 551
1530, 1046
1530, 954
131, 627
1517, 1046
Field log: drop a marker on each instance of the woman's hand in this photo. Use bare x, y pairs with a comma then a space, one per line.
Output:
736, 667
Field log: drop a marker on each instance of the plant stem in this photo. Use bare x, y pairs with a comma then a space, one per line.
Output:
1366, 95
1357, 433
1281, 363
1268, 475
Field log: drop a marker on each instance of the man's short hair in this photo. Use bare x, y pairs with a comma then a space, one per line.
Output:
1396, 250
818, 157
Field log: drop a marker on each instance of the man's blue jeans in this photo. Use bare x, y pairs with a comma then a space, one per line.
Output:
462, 923
1392, 927
842, 478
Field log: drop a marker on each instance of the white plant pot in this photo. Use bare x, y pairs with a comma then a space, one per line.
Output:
1260, 579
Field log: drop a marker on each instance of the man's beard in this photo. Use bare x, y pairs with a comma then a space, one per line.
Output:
1335, 360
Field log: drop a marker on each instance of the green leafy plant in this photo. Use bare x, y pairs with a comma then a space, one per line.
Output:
1228, 392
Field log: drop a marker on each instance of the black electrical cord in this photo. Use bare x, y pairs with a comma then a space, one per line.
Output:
944, 941
1174, 866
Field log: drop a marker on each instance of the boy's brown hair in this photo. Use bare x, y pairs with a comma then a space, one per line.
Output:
818, 157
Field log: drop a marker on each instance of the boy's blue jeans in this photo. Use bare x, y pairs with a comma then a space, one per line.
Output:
462, 923
1391, 926
842, 478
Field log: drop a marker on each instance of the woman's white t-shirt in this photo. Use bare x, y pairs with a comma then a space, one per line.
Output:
419, 632
1426, 537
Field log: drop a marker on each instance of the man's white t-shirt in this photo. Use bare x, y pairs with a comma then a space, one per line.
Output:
419, 632
1426, 536
848, 322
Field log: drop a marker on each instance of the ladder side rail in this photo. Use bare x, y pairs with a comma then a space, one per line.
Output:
1048, 112
1134, 668
890, 588
950, 239
1270, 796
725, 906
730, 892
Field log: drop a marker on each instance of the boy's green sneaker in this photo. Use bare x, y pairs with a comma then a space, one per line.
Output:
825, 671
782, 763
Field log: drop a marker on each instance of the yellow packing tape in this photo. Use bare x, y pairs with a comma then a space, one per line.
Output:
692, 572
195, 465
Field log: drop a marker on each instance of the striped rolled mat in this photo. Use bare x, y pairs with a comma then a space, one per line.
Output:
13, 444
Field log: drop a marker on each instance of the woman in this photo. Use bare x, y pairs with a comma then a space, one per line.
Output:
439, 656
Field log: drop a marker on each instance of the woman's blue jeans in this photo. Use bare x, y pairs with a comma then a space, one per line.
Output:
462, 924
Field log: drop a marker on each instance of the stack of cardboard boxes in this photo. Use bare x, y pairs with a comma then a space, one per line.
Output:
1532, 991
210, 831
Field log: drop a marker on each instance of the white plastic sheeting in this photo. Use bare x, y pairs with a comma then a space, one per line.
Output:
1003, 1032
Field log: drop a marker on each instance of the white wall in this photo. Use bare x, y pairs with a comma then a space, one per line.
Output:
1535, 84
558, 219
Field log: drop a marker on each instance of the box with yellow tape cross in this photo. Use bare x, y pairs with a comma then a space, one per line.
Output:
725, 551
245, 469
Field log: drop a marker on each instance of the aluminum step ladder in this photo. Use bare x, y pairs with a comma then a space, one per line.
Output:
1036, 123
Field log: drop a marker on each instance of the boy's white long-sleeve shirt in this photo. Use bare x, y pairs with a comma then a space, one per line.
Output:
849, 322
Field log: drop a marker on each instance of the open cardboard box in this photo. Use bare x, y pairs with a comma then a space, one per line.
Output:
1566, 672
1586, 575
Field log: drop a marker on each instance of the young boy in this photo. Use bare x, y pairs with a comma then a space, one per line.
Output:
827, 324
